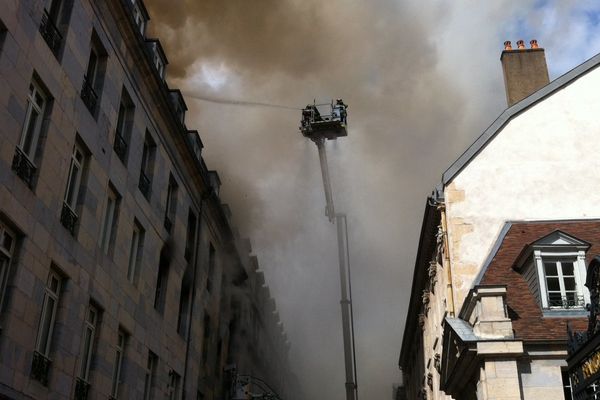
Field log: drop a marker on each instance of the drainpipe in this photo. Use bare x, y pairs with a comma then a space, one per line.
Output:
447, 265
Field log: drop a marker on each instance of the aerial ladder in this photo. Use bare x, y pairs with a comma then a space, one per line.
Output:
319, 127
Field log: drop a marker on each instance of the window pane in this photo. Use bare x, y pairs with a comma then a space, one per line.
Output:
567, 268
569, 283
553, 284
46, 326
7, 242
72, 185
30, 133
85, 356
550, 269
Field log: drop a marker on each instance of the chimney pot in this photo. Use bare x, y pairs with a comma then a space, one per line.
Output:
524, 71
507, 45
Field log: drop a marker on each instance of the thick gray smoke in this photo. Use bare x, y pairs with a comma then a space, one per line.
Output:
422, 80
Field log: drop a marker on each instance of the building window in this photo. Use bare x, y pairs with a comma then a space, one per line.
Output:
171, 206
184, 304
190, 241
149, 381
41, 357
556, 272
218, 358
2, 35
124, 125
135, 252
160, 293
147, 168
566, 382
49, 27
82, 385
205, 338
211, 268
118, 364
561, 283
174, 385
23, 162
7, 248
69, 215
139, 16
94, 76
109, 221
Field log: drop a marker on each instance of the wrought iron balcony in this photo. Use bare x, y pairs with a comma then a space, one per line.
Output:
68, 218
23, 167
82, 389
144, 184
556, 300
168, 223
120, 146
40, 368
50, 33
88, 95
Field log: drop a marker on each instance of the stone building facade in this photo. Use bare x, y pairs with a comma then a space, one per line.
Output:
505, 240
121, 275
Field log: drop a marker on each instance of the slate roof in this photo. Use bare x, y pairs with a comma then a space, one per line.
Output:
525, 312
462, 329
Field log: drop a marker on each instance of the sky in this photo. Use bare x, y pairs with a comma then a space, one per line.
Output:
422, 80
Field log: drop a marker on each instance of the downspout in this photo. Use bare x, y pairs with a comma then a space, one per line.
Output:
447, 265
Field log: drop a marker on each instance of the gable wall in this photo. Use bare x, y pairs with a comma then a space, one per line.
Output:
544, 164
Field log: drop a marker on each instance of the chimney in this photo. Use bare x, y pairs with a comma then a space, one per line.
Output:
525, 70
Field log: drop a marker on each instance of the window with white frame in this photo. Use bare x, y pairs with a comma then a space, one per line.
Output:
109, 220
89, 334
7, 248
48, 316
150, 376
36, 103
556, 272
135, 252
75, 173
174, 386
69, 215
118, 364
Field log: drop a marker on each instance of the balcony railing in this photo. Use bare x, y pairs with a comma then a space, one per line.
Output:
82, 389
23, 167
144, 184
50, 33
88, 95
40, 368
120, 146
68, 218
556, 300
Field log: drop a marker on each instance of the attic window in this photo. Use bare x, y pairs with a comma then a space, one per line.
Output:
158, 63
138, 16
555, 271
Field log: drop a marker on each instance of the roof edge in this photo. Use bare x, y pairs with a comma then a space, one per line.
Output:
484, 139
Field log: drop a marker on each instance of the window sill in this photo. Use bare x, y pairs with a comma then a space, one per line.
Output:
565, 312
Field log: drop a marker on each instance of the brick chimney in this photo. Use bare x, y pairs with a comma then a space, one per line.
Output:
525, 70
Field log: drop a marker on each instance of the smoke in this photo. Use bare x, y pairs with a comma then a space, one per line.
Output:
422, 80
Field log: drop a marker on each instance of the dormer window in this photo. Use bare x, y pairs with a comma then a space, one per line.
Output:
178, 105
160, 66
159, 59
554, 267
140, 15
